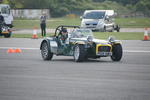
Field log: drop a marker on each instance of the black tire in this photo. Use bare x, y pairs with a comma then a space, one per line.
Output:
7, 35
116, 52
104, 29
45, 51
79, 53
117, 28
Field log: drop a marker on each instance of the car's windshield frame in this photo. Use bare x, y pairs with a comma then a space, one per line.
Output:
81, 33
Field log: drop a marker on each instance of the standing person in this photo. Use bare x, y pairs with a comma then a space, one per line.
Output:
43, 24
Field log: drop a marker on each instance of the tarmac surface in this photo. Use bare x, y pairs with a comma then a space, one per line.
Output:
25, 76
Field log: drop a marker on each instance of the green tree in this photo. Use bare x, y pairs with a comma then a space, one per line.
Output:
144, 7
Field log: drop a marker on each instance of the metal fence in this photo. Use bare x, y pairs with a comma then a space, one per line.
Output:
30, 13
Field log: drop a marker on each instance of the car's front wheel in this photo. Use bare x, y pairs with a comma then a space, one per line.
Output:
79, 53
116, 52
45, 51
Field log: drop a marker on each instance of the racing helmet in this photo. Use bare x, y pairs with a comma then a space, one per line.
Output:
63, 30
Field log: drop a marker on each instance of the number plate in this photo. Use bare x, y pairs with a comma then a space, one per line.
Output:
104, 53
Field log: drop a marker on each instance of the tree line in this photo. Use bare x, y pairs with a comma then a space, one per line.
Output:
60, 8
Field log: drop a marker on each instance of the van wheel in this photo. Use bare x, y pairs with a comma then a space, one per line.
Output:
117, 28
116, 52
104, 29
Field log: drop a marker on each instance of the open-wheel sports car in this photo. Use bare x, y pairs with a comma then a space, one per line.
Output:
79, 43
5, 30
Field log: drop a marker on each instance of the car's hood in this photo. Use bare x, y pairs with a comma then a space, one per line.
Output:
91, 21
98, 41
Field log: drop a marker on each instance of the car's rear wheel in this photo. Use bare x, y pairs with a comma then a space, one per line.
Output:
79, 53
45, 51
104, 29
116, 52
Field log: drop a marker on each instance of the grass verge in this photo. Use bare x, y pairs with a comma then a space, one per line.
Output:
98, 35
54, 22
120, 35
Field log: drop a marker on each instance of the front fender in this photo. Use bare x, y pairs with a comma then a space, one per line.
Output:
45, 40
79, 42
116, 42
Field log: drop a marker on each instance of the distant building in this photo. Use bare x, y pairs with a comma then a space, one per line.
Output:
30, 13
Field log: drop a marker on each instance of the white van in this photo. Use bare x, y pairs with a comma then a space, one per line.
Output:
99, 20
6, 12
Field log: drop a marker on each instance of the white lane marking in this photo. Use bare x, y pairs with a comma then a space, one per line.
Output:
136, 51
128, 51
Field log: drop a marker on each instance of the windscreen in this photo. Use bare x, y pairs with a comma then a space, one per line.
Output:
94, 15
80, 33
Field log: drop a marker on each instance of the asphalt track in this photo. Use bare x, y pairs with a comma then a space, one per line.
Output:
26, 76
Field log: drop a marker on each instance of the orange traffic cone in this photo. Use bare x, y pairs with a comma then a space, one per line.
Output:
146, 35
34, 36
10, 50
17, 50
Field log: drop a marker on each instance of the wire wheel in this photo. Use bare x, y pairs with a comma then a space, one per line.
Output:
79, 53
45, 51
76, 53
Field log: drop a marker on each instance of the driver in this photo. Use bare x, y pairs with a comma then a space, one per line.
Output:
63, 34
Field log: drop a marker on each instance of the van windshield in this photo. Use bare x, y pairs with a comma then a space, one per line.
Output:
94, 15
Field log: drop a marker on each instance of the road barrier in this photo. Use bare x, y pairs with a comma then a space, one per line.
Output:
17, 50
34, 35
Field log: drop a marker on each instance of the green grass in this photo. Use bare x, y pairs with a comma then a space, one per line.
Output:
51, 23
98, 35
120, 35
54, 22
133, 22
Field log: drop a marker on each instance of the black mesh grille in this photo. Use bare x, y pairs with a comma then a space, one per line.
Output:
104, 48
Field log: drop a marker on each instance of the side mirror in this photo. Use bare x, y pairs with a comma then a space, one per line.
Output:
81, 17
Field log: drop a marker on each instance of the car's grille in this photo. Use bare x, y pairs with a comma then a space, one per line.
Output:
104, 48
91, 25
